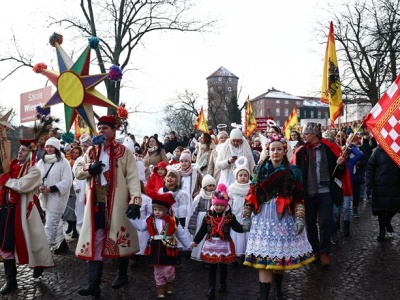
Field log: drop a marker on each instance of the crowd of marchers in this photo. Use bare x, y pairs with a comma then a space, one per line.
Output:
266, 202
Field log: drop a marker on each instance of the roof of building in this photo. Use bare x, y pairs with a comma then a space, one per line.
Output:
276, 94
222, 72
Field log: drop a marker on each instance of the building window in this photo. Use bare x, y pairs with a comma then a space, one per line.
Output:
220, 79
305, 114
312, 114
286, 101
326, 115
211, 89
230, 79
278, 112
278, 101
297, 103
319, 114
286, 112
278, 123
229, 88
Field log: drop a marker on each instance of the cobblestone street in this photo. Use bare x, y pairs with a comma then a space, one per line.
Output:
362, 268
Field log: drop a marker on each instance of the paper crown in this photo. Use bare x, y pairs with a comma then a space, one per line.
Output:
166, 200
220, 196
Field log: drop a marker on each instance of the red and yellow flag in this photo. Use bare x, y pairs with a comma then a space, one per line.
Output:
201, 122
292, 123
331, 92
250, 123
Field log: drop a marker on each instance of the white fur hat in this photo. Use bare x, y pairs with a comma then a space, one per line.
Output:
208, 180
241, 164
53, 142
128, 143
236, 134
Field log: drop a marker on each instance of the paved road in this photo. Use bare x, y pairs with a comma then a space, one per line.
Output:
362, 268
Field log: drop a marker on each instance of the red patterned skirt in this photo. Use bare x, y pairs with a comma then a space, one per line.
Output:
216, 251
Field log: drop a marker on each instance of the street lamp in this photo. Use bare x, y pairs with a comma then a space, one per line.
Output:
378, 56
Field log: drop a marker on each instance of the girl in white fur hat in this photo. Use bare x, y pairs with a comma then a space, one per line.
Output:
237, 192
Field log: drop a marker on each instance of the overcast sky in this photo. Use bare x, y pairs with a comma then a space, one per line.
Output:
265, 43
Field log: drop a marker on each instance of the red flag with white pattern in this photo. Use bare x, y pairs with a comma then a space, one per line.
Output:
384, 121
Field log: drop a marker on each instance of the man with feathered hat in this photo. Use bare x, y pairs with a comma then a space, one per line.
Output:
22, 236
113, 196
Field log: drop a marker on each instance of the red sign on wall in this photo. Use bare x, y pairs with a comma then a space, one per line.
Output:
30, 100
262, 123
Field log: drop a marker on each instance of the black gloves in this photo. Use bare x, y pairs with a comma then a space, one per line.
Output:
96, 168
133, 212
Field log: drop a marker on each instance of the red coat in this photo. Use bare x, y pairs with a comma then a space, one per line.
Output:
155, 181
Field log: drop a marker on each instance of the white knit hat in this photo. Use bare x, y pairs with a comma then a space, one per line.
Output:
53, 142
208, 180
236, 134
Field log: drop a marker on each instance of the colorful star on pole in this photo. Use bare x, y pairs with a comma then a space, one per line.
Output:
75, 87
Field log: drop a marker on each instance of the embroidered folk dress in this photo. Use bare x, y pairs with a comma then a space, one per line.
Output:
218, 246
273, 243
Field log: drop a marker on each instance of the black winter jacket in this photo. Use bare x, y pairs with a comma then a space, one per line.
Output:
383, 176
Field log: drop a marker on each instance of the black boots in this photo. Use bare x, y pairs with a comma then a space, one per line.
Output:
223, 269
10, 270
69, 229
382, 227
95, 270
264, 290
122, 278
72, 228
37, 272
62, 248
278, 278
346, 228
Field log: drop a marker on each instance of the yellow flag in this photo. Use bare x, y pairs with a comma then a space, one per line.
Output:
201, 122
250, 120
292, 123
331, 92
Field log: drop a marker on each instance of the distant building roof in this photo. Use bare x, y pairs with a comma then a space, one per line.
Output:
222, 72
313, 101
276, 94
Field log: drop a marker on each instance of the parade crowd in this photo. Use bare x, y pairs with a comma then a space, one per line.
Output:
264, 202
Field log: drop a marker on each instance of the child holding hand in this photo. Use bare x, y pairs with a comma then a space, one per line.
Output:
218, 248
162, 251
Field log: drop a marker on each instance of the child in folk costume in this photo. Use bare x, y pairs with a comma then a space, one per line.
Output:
146, 210
161, 251
156, 180
201, 205
237, 192
182, 198
218, 248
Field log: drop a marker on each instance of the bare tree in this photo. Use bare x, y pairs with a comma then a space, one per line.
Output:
131, 21
180, 114
121, 26
368, 38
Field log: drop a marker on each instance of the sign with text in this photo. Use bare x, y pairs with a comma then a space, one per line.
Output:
30, 100
262, 123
